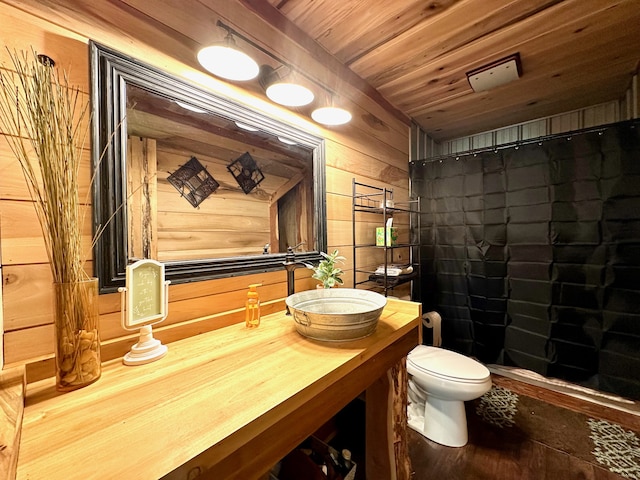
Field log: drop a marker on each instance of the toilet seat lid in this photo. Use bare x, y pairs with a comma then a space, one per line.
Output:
445, 363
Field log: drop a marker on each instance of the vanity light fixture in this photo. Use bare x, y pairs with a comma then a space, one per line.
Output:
186, 106
227, 61
331, 116
287, 93
287, 141
248, 128
284, 91
290, 94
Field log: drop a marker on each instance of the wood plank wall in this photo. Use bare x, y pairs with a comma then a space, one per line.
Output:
1, 326
626, 108
373, 148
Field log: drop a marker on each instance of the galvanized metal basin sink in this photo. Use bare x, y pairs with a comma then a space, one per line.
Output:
336, 314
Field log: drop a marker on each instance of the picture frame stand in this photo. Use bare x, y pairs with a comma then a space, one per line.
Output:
144, 302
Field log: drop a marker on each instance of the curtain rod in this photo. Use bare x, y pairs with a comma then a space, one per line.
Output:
519, 143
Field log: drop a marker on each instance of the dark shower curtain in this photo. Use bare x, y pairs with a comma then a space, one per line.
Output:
531, 253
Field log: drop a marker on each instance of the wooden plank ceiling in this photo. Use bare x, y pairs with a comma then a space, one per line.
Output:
416, 53
410, 56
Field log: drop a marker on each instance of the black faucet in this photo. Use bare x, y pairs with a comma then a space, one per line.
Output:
290, 264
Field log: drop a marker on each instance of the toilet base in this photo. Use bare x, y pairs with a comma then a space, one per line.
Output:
446, 421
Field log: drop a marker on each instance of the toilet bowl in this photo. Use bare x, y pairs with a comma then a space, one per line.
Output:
440, 381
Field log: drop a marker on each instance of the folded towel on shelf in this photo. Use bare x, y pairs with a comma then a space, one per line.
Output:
394, 270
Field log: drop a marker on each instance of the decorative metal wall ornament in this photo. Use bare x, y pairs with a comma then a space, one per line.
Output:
246, 172
193, 181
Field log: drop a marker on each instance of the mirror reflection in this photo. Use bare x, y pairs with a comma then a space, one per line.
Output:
200, 183
205, 187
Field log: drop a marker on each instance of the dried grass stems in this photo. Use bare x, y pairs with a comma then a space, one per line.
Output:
43, 117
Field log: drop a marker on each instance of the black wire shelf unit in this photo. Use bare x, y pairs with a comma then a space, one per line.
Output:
379, 204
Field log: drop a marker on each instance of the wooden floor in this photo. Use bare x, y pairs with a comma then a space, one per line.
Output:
512, 453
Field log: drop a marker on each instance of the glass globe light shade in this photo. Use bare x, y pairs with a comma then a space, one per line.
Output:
287, 141
249, 128
227, 62
187, 106
290, 94
331, 116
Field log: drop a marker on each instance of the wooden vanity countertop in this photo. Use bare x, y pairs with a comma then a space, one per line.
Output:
214, 391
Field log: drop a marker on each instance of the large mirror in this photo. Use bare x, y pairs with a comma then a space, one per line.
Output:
199, 182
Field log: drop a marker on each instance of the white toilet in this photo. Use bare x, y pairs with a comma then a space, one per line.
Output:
440, 381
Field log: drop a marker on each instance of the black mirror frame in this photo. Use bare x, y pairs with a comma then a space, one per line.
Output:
110, 73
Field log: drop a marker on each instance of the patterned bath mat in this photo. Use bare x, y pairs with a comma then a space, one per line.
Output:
616, 448
599, 442
498, 407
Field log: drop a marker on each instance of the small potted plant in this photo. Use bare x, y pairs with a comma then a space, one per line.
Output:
327, 270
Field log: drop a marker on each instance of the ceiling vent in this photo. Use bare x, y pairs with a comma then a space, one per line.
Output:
494, 74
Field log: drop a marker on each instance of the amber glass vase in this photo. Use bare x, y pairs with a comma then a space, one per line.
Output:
77, 339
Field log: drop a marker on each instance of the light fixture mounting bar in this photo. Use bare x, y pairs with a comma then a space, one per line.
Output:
232, 31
